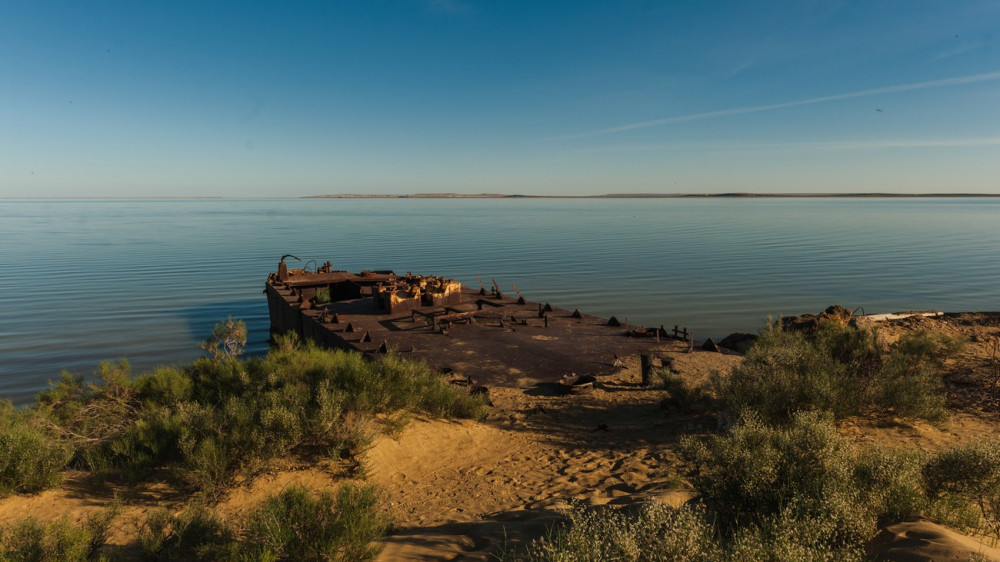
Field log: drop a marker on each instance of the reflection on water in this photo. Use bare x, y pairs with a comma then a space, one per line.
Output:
85, 281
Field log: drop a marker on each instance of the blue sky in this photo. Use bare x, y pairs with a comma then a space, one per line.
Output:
181, 98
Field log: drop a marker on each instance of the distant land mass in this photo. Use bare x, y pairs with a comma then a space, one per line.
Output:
415, 196
634, 195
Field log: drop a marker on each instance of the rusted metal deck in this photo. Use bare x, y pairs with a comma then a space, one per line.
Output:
495, 338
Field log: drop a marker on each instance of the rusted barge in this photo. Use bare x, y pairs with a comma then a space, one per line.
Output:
496, 338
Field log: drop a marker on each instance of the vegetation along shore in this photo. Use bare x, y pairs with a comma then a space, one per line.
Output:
826, 439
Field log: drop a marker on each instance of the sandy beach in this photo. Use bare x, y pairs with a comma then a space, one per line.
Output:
459, 490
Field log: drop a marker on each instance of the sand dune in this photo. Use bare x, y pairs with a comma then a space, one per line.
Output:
920, 540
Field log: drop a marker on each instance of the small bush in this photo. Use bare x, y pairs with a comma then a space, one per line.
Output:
757, 468
227, 340
196, 533
222, 416
33, 540
58, 541
839, 369
286, 341
242, 413
781, 374
793, 534
298, 526
166, 386
771, 484
796, 491
292, 525
910, 383
969, 474
682, 397
322, 295
354, 436
97, 525
889, 482
30, 460
655, 532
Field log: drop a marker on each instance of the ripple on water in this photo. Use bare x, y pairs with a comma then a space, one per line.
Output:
85, 281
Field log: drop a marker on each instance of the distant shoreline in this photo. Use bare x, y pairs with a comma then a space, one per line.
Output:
734, 195
645, 195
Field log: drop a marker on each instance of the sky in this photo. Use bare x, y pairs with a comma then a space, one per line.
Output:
262, 99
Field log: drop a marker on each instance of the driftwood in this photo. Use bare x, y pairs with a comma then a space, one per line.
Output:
898, 316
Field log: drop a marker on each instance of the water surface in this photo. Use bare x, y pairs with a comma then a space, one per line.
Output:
86, 281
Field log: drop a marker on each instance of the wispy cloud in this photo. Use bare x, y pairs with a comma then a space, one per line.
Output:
958, 80
747, 63
822, 145
959, 50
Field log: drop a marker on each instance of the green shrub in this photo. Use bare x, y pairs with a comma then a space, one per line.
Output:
890, 482
97, 524
217, 443
30, 539
286, 341
439, 399
63, 399
296, 525
796, 491
970, 475
196, 533
793, 534
354, 436
682, 396
957, 512
223, 416
30, 460
36, 541
246, 412
322, 295
292, 525
89, 415
656, 532
840, 369
781, 374
777, 482
227, 340
930, 347
910, 383
790, 491
165, 386
757, 468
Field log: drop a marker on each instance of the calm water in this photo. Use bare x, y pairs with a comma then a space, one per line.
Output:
86, 281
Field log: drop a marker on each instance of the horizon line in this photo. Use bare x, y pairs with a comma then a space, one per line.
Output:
452, 195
